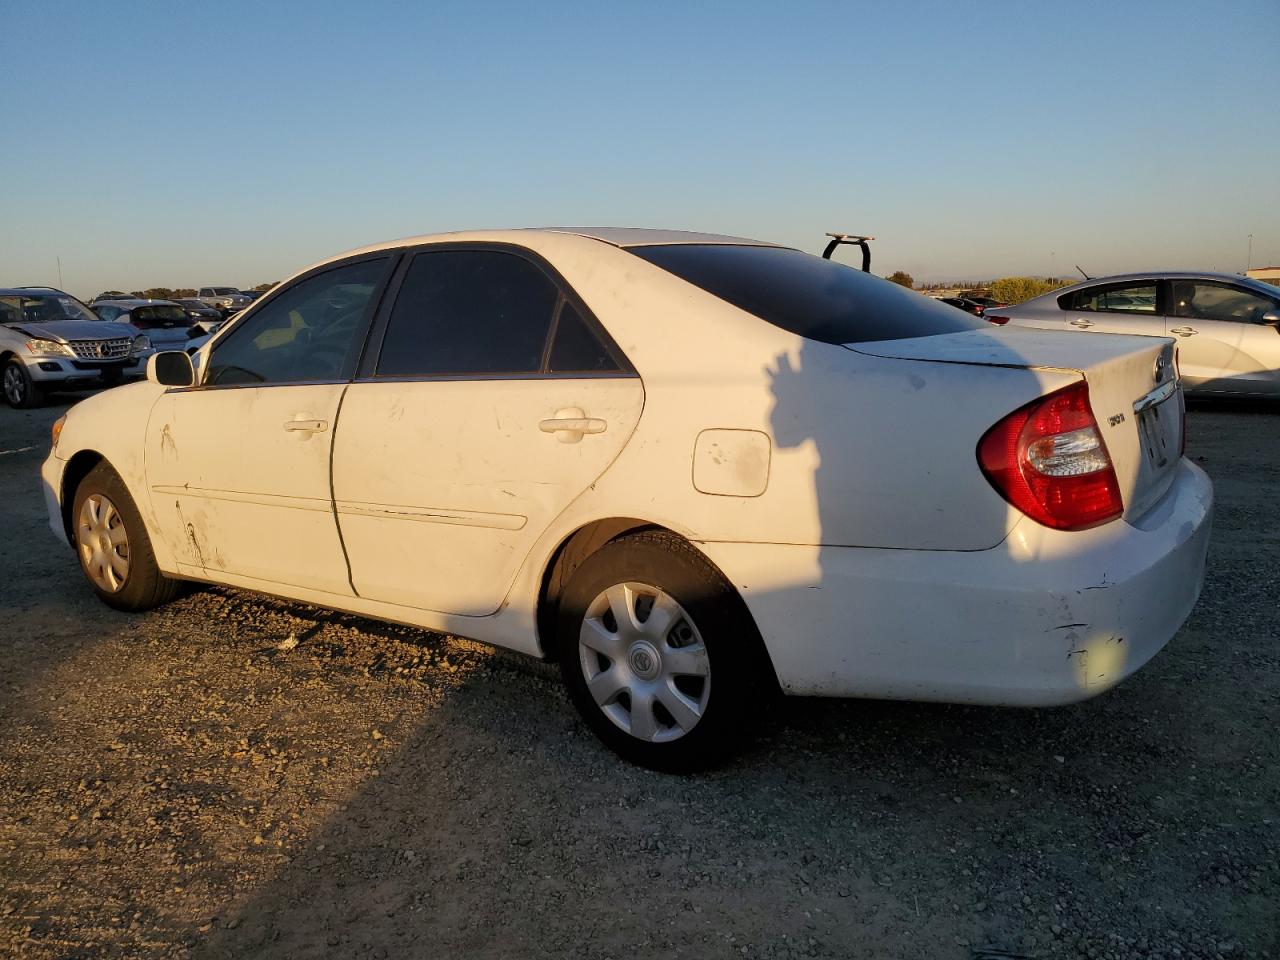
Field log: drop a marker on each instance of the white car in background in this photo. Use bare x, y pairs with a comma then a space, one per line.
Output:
691, 469
226, 300
1227, 327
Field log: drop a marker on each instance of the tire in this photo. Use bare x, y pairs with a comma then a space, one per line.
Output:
673, 694
112, 545
20, 390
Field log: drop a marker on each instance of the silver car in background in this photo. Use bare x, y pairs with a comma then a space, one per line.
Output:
226, 300
1227, 327
49, 340
168, 324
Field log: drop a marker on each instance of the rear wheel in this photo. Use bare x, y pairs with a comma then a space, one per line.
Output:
659, 653
19, 389
112, 544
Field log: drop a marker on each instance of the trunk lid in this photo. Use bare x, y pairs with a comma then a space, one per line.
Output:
1133, 390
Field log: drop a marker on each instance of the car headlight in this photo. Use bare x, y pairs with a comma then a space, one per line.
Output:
141, 343
49, 348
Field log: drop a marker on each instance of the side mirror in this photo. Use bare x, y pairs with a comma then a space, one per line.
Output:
171, 368
1271, 317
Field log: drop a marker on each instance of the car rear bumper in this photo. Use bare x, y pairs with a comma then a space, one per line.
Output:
1047, 617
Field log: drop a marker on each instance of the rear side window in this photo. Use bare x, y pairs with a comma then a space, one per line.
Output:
807, 295
1116, 298
469, 312
575, 348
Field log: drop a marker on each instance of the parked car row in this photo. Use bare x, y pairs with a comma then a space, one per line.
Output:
51, 341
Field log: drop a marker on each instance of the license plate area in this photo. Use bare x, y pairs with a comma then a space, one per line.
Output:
1159, 426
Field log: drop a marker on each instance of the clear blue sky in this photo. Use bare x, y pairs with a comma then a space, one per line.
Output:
179, 144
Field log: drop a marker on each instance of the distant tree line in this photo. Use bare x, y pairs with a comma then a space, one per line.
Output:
168, 293
1018, 289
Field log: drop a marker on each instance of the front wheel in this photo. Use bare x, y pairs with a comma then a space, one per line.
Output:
659, 653
20, 390
112, 544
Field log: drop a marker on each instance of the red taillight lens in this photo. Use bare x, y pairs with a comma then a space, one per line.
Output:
996, 318
1048, 459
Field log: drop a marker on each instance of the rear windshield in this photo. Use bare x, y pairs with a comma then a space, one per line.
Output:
160, 315
807, 295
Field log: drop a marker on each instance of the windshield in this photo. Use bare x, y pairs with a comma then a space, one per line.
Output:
42, 309
224, 291
807, 295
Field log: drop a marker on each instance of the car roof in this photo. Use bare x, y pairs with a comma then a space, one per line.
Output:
29, 291
621, 237
135, 302
1156, 275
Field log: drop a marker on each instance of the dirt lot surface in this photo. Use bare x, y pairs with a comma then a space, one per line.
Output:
191, 783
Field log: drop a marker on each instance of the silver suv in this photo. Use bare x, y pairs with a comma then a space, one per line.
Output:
226, 300
49, 340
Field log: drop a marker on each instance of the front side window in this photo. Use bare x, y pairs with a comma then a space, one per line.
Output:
807, 295
1202, 300
107, 313
306, 333
463, 312
1130, 298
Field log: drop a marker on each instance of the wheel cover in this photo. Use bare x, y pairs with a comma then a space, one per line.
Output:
645, 662
103, 543
14, 386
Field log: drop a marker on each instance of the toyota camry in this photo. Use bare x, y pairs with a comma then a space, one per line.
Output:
693, 470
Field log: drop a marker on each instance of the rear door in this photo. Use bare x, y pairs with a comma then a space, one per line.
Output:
1131, 306
1223, 343
493, 400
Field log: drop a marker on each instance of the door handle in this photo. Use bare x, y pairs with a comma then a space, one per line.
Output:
571, 424
1081, 322
1184, 331
306, 426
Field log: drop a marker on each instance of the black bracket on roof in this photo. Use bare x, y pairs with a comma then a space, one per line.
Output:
853, 239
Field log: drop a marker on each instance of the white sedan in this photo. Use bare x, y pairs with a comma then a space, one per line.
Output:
692, 469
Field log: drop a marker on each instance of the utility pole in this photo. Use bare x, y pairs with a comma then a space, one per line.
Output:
60, 272
1248, 264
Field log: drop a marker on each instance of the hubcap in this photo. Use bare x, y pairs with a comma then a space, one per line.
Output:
13, 385
103, 542
644, 661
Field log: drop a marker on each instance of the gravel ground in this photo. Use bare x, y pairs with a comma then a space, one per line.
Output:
238, 776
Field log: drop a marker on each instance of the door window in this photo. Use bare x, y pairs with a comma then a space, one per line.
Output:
308, 332
1201, 300
575, 348
1115, 298
107, 313
462, 312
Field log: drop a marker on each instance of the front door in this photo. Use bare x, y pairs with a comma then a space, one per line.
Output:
1223, 342
495, 400
239, 464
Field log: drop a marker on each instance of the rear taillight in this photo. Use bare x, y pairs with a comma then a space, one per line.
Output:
1048, 459
996, 318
